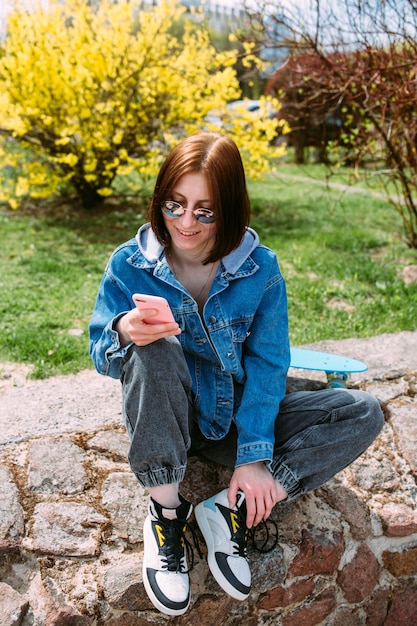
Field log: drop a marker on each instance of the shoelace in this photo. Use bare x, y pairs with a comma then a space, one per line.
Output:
176, 543
268, 539
263, 537
240, 537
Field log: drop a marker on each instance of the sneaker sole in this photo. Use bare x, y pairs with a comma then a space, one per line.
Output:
221, 579
157, 604
167, 610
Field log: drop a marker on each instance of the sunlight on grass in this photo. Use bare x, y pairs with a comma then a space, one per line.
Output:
341, 255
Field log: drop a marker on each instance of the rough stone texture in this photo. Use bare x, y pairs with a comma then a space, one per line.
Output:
401, 563
12, 606
71, 513
63, 472
313, 613
127, 505
398, 520
403, 610
282, 597
122, 585
320, 553
111, 443
65, 528
358, 578
11, 513
350, 506
402, 415
377, 607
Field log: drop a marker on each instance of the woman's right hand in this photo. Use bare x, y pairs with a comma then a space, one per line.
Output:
132, 327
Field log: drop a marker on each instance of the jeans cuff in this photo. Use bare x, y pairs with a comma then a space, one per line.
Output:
286, 478
163, 476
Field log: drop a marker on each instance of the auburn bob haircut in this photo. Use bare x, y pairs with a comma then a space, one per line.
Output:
218, 158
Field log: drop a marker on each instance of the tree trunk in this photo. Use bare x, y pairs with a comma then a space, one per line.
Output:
88, 194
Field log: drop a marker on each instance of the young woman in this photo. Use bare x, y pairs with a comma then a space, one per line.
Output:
213, 381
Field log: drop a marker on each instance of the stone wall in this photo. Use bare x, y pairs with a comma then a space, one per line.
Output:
71, 517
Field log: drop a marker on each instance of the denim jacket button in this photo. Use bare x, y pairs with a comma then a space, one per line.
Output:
213, 319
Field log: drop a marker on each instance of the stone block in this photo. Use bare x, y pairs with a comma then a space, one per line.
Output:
13, 606
345, 616
122, 585
403, 563
66, 529
56, 466
287, 596
212, 609
398, 520
320, 553
403, 418
12, 526
403, 610
50, 606
126, 504
268, 568
376, 473
359, 577
112, 442
377, 606
388, 391
313, 613
348, 503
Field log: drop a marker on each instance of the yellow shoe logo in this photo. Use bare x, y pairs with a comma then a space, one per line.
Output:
160, 535
234, 520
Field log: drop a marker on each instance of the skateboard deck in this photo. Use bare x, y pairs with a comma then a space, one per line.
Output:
336, 367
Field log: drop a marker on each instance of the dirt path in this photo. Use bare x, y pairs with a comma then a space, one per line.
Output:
339, 186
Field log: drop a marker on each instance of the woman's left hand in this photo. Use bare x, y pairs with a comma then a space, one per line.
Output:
261, 491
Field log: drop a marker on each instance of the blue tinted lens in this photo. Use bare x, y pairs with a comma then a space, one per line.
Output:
175, 209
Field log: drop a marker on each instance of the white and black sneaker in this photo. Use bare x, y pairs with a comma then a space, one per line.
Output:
165, 572
225, 532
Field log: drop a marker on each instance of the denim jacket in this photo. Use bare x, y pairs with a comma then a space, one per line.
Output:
238, 354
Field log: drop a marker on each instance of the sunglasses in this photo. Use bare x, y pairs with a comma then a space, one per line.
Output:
175, 209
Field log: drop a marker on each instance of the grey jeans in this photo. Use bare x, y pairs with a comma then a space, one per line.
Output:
317, 433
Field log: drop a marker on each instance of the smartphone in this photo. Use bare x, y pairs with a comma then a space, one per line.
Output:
144, 301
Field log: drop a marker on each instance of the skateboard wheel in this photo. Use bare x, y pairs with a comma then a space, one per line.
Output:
337, 380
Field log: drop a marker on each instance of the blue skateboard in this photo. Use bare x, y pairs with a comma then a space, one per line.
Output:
336, 367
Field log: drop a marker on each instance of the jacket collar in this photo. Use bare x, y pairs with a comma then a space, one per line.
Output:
150, 251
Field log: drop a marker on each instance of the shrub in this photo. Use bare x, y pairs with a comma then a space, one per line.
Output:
88, 93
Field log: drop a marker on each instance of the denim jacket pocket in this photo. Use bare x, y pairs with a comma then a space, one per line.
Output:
241, 329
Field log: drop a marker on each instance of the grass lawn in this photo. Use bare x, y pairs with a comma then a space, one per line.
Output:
341, 253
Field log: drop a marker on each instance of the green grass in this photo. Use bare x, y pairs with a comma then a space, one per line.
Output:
341, 254
50, 271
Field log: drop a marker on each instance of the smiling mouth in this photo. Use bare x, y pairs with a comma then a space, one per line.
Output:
184, 233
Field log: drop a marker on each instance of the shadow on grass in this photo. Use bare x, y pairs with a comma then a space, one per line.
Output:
114, 221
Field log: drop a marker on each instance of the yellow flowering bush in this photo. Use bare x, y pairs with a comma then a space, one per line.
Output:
88, 93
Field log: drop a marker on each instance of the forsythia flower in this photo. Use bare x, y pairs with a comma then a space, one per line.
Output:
91, 91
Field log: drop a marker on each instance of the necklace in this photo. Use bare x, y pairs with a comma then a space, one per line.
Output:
203, 288
200, 293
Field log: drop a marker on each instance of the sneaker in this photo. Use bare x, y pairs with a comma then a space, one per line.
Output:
165, 573
225, 532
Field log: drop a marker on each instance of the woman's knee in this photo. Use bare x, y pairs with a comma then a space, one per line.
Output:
161, 359
370, 412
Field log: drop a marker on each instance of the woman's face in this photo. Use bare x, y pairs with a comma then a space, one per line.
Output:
187, 234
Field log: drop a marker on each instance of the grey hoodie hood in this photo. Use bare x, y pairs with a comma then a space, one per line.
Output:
151, 249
